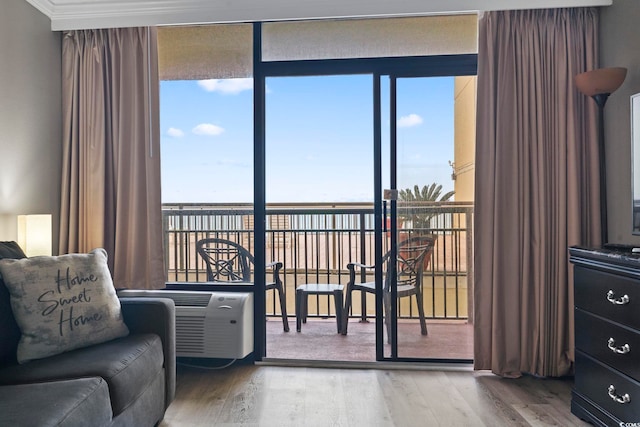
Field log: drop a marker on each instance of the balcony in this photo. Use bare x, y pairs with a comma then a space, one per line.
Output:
315, 242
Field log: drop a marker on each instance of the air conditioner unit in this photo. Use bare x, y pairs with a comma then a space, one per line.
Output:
209, 324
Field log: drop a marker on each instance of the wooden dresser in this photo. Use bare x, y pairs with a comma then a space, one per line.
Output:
607, 329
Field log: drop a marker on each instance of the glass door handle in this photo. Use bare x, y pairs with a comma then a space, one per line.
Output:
384, 216
388, 194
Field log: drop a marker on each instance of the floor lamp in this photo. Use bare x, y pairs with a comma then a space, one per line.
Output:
599, 84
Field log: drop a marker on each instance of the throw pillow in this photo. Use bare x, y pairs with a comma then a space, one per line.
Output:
11, 250
62, 303
9, 331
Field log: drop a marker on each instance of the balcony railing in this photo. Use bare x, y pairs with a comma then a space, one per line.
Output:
315, 242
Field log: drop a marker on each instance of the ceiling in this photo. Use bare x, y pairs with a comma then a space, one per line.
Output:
79, 14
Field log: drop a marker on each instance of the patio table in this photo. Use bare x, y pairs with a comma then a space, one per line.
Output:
302, 297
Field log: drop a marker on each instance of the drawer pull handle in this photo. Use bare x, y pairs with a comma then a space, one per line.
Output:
625, 398
619, 350
624, 299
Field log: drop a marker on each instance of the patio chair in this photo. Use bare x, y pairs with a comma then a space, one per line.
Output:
414, 255
227, 261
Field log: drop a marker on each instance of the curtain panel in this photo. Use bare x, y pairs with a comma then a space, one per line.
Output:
537, 189
111, 156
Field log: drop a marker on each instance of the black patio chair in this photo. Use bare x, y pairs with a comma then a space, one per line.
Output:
414, 255
228, 261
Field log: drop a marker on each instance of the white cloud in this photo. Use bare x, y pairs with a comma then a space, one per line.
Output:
226, 86
207, 129
175, 132
409, 121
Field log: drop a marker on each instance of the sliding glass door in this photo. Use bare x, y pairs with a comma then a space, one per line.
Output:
319, 190
361, 169
425, 282
331, 136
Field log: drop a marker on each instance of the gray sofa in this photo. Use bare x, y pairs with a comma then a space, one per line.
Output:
128, 381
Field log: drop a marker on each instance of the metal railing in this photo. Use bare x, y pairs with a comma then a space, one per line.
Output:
315, 242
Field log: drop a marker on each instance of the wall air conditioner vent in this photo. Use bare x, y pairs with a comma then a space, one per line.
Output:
190, 334
208, 324
191, 300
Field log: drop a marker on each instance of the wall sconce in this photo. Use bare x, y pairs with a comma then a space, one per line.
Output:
599, 84
34, 234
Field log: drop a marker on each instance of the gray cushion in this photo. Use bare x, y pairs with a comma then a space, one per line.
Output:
9, 331
80, 402
62, 302
128, 365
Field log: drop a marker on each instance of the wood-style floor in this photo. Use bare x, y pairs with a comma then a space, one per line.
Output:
248, 395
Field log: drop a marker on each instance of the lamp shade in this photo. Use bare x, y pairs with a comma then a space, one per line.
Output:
34, 234
600, 81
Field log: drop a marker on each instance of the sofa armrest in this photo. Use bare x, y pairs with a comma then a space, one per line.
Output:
157, 316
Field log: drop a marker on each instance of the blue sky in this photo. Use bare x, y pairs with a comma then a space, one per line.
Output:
319, 138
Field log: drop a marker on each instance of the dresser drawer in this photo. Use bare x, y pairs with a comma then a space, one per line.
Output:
604, 386
614, 345
614, 297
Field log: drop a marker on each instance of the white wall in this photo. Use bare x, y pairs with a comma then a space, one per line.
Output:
619, 41
30, 116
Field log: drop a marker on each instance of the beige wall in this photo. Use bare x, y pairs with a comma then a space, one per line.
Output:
619, 41
465, 137
30, 116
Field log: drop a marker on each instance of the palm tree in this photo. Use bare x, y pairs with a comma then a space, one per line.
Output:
417, 200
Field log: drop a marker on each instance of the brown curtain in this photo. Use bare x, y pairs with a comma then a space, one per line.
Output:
537, 185
111, 158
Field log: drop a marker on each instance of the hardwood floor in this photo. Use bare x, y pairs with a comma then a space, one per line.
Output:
250, 395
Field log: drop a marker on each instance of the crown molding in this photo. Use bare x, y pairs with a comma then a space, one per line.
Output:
82, 14
44, 6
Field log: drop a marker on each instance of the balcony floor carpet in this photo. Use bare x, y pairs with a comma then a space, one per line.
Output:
318, 340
